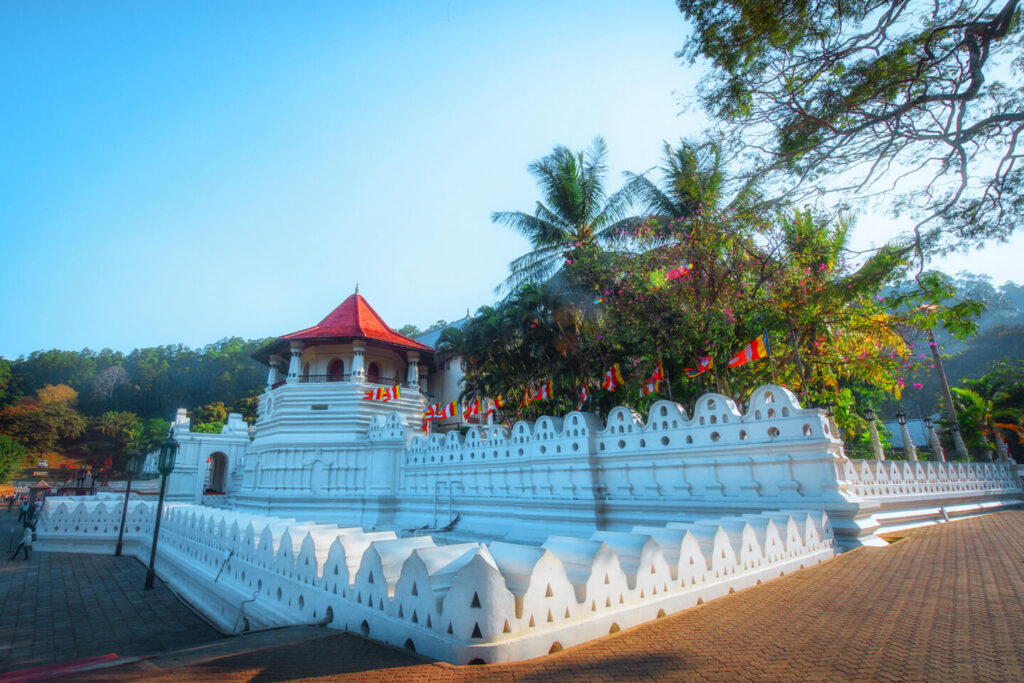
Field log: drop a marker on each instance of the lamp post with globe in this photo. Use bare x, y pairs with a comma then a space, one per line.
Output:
168, 452
134, 465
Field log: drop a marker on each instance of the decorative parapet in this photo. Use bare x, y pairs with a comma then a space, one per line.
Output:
463, 603
888, 479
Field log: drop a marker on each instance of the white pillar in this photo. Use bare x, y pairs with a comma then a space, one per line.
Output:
275, 370
412, 375
908, 443
358, 372
933, 440
1001, 449
876, 443
295, 364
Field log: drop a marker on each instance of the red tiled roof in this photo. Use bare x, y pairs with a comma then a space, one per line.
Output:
354, 318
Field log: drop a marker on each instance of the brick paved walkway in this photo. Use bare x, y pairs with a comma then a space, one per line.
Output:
946, 603
60, 607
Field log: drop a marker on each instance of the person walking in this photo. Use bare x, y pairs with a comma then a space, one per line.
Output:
23, 511
26, 542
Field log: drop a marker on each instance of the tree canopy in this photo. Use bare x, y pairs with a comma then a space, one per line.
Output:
872, 96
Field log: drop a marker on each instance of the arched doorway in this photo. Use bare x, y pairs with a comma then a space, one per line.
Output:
373, 374
335, 370
217, 473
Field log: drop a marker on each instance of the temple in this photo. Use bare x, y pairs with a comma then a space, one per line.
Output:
493, 543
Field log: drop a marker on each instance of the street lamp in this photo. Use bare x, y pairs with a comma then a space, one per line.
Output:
134, 465
876, 444
168, 452
80, 477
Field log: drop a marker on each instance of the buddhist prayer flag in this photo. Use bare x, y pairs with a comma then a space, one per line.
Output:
522, 404
755, 350
705, 363
472, 409
389, 394
656, 378
584, 395
613, 378
445, 410
441, 411
543, 392
659, 373
679, 272
651, 387
499, 402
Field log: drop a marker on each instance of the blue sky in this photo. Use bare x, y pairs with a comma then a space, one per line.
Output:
182, 172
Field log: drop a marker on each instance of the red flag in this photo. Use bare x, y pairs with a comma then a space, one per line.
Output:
385, 395
613, 378
705, 363
472, 409
651, 387
522, 405
543, 392
755, 350
443, 411
584, 395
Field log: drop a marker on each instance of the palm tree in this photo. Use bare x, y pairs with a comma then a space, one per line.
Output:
983, 408
575, 211
693, 179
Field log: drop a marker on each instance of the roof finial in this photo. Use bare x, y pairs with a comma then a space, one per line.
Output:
357, 288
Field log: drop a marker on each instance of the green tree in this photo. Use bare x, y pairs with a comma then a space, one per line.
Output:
5, 381
873, 89
12, 456
575, 211
150, 433
211, 413
692, 179
42, 429
983, 416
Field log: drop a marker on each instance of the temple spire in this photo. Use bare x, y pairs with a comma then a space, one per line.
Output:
357, 288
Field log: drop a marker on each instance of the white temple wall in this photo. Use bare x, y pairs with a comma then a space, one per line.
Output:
575, 474
461, 603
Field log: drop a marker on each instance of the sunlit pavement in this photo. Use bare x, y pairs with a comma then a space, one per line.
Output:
944, 603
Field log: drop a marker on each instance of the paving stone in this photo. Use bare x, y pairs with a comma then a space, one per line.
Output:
946, 603
59, 607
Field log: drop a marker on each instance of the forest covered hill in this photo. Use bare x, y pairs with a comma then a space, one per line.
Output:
94, 406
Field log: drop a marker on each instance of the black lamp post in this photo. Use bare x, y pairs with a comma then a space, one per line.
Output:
869, 414
80, 477
901, 417
134, 465
168, 452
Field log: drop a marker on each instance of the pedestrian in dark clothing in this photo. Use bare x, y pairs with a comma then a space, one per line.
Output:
23, 512
26, 543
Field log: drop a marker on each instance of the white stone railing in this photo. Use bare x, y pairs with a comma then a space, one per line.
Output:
463, 603
869, 479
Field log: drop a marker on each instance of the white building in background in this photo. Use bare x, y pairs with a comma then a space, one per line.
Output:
502, 543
